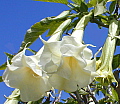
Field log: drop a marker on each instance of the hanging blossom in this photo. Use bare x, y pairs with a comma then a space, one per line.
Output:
68, 62
104, 64
26, 75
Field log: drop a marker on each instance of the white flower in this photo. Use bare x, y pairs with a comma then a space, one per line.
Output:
69, 64
25, 74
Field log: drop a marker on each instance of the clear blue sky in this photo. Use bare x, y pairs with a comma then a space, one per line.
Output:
17, 16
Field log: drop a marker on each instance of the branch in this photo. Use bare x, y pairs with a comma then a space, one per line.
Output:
117, 8
73, 96
99, 23
91, 94
78, 97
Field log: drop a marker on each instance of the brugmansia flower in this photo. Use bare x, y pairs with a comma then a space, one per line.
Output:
25, 74
104, 64
69, 64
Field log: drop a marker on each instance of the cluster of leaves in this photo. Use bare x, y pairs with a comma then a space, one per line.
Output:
102, 14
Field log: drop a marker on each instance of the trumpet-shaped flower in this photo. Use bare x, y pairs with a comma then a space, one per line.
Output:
25, 74
69, 64
104, 64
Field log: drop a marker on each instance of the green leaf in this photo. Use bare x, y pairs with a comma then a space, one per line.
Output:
110, 0
82, 92
73, 24
92, 3
116, 61
3, 66
10, 56
112, 6
1, 79
100, 8
103, 19
55, 1
38, 29
118, 42
64, 14
83, 7
53, 28
77, 1
114, 95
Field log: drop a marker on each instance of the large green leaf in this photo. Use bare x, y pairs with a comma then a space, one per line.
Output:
55, 1
40, 27
37, 29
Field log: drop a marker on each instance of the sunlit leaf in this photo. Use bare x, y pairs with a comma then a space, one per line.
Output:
55, 1
76, 7
3, 66
77, 1
40, 27
114, 95
110, 0
37, 29
92, 3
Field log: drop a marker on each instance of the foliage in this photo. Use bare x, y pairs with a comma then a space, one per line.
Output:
104, 16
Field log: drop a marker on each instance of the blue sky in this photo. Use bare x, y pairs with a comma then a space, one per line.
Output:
17, 16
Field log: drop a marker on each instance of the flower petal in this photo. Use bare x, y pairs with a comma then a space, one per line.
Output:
32, 87
61, 83
70, 40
